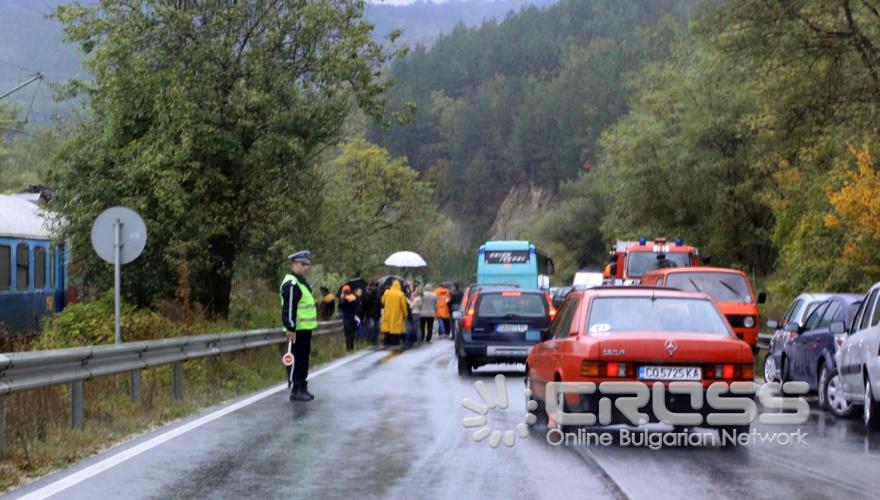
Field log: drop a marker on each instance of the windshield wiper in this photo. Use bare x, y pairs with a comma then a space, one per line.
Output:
694, 284
732, 289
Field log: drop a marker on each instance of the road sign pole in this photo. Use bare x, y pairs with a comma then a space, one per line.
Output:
117, 264
127, 241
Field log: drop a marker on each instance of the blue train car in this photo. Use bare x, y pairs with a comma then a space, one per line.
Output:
33, 276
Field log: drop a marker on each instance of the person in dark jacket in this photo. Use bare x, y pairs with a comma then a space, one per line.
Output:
327, 307
349, 304
455, 298
299, 315
371, 312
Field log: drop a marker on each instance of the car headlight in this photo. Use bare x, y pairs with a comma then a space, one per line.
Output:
749, 322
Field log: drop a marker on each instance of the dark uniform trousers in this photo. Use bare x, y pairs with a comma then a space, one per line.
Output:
301, 349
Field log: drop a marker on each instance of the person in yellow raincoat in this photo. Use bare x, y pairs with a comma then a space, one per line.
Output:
394, 312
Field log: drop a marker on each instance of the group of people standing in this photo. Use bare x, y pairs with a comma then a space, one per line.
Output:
404, 313
403, 316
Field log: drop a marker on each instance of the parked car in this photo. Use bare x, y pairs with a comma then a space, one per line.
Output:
637, 334
501, 325
797, 312
809, 354
858, 374
729, 288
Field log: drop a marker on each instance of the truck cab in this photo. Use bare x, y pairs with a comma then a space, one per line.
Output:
630, 260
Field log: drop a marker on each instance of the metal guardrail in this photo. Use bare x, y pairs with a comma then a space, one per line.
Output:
23, 371
764, 341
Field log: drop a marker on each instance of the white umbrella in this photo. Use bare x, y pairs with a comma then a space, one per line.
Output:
405, 259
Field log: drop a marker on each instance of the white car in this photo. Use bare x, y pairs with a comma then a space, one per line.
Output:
859, 360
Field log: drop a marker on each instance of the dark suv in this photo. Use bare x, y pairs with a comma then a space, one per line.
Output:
501, 325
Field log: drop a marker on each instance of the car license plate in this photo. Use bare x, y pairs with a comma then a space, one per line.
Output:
670, 373
507, 328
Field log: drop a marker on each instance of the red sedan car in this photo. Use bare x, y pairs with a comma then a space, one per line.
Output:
634, 334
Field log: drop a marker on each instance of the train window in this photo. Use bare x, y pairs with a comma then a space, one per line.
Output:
22, 266
53, 254
39, 268
5, 267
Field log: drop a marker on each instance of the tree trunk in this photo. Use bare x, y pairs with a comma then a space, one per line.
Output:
223, 252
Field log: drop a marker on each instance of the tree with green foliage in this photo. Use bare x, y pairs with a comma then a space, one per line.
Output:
373, 206
207, 117
682, 161
29, 158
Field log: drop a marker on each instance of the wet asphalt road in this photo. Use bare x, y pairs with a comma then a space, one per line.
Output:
389, 426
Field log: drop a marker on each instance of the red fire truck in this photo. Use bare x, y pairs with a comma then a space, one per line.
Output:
631, 259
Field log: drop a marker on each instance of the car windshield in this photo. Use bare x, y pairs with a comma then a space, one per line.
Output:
512, 305
723, 287
638, 263
649, 314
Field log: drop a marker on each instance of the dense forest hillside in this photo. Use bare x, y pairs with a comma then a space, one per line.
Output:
659, 118
524, 100
422, 21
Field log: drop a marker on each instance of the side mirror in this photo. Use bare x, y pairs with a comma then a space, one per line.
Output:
456, 315
762, 297
773, 324
837, 327
792, 327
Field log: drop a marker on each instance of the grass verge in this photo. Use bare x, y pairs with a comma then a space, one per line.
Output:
39, 439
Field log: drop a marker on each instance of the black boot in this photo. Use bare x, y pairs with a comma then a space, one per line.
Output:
305, 389
298, 394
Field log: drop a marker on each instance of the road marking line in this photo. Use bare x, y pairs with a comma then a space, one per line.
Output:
112, 461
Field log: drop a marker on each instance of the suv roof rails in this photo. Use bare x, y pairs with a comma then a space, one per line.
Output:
623, 287
510, 285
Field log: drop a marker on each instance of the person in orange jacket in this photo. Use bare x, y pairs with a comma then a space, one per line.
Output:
442, 311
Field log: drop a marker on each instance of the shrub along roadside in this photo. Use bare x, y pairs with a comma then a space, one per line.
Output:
39, 439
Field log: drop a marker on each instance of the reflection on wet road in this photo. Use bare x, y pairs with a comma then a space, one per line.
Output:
388, 425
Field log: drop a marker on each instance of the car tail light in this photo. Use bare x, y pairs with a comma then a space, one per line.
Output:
511, 294
839, 339
590, 368
551, 311
606, 370
468, 321
730, 372
615, 370
727, 371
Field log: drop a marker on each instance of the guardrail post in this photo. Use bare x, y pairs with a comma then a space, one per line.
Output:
77, 405
2, 427
134, 378
177, 379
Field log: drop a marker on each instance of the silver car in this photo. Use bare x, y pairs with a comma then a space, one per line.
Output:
797, 312
859, 360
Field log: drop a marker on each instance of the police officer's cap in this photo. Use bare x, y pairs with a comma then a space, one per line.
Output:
302, 257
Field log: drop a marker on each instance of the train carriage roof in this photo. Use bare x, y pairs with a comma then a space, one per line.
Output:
20, 218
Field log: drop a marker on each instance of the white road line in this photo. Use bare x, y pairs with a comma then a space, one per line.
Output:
112, 461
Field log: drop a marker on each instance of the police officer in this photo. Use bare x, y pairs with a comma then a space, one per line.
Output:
300, 317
